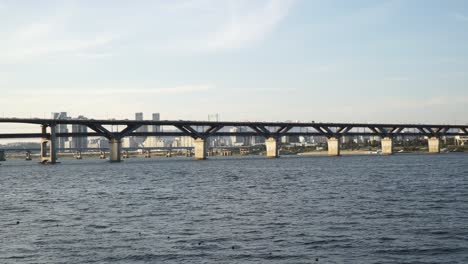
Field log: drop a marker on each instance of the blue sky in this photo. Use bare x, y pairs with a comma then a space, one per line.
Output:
352, 61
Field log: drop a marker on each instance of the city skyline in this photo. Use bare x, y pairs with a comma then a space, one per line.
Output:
369, 61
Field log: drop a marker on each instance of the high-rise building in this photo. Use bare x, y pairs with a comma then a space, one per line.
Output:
139, 116
79, 142
183, 141
130, 142
61, 129
139, 140
239, 140
98, 143
153, 141
256, 140
156, 117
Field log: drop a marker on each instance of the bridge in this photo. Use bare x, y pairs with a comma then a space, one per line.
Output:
200, 131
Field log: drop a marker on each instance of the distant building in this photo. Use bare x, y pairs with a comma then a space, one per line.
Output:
184, 141
79, 142
98, 143
460, 140
257, 140
61, 129
290, 139
130, 142
318, 139
303, 140
153, 141
138, 141
155, 117
217, 141
239, 140
156, 142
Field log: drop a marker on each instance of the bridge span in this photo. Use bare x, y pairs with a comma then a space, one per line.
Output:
200, 131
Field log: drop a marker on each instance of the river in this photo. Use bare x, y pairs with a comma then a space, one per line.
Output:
349, 209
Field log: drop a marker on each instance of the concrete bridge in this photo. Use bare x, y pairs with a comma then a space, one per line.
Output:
202, 130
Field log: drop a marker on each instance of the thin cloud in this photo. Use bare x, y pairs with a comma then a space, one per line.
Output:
20, 48
246, 29
461, 17
247, 24
49, 37
398, 79
183, 89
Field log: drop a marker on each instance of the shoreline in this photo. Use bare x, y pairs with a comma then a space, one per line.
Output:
309, 153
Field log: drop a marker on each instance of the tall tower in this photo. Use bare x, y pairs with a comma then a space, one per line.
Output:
156, 117
139, 140
79, 142
139, 116
152, 141
61, 129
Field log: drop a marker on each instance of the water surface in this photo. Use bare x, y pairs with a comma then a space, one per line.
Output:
350, 209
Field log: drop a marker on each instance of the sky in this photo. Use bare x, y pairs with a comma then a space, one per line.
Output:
258, 60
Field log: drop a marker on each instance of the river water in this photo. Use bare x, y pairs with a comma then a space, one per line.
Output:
350, 209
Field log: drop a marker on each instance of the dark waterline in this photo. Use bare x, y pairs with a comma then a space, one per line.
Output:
351, 209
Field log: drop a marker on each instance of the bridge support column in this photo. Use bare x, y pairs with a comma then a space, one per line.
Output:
272, 147
333, 146
387, 146
78, 154
48, 155
28, 155
434, 144
115, 148
201, 148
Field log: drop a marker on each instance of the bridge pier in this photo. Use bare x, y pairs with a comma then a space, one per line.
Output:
201, 148
78, 155
48, 155
272, 147
387, 146
333, 146
434, 144
115, 148
28, 155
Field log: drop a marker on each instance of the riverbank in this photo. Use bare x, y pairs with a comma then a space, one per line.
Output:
342, 152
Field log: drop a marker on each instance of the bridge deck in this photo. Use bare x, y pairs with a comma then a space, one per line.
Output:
204, 129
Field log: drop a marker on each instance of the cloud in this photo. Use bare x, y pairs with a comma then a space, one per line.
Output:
50, 36
245, 24
35, 31
398, 79
245, 29
44, 39
195, 26
182, 89
23, 52
461, 17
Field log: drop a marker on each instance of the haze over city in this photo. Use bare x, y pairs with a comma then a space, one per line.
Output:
359, 61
